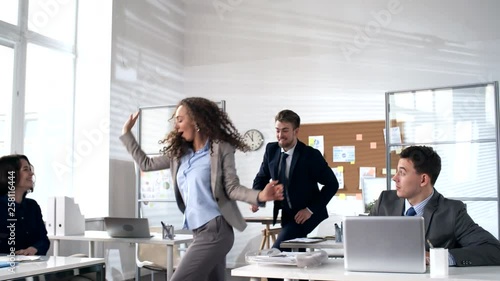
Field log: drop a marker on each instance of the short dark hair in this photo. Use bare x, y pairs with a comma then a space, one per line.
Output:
9, 164
425, 160
289, 117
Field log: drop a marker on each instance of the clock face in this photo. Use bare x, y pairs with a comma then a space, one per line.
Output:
254, 139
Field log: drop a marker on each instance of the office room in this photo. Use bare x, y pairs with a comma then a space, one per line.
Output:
73, 72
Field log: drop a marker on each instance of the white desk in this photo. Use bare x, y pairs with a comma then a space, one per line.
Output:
52, 265
333, 249
334, 270
102, 236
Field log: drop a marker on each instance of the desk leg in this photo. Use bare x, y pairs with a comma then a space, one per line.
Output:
101, 273
263, 241
91, 249
170, 261
268, 236
56, 247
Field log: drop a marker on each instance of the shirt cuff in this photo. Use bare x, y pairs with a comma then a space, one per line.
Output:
309, 210
451, 260
260, 204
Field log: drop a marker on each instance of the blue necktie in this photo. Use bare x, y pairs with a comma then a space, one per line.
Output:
282, 178
411, 212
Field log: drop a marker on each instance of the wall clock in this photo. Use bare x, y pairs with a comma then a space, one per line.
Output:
254, 139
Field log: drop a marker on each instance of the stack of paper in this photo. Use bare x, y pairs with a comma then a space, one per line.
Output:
19, 258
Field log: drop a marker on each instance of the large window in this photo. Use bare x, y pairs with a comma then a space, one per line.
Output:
460, 124
9, 11
37, 51
6, 81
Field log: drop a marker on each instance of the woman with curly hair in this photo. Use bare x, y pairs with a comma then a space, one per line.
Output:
200, 153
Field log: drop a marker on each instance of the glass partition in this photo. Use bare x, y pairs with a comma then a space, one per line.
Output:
460, 123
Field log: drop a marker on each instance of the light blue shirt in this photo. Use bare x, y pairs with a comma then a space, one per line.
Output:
419, 209
193, 179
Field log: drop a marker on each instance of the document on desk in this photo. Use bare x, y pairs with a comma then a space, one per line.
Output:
19, 258
305, 240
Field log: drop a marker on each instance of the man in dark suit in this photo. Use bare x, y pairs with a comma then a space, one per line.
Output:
447, 224
300, 168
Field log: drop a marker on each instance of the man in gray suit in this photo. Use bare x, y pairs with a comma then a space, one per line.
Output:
447, 223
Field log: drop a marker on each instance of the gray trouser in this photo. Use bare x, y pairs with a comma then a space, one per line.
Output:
205, 259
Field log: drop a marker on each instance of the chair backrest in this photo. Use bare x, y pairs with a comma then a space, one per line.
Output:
154, 257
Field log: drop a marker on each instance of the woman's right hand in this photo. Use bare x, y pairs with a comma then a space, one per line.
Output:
129, 124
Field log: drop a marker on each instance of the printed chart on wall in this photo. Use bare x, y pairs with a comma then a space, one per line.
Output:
157, 185
317, 142
344, 154
339, 174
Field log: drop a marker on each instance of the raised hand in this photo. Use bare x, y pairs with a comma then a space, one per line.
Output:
129, 124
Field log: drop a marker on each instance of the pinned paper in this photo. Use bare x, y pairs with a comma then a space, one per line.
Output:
359, 137
366, 172
340, 176
393, 171
344, 153
373, 145
317, 142
342, 196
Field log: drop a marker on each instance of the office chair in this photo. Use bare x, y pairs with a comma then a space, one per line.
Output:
153, 257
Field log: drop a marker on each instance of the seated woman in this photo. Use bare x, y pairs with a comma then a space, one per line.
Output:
22, 229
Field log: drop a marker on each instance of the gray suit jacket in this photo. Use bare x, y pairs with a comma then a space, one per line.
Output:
225, 183
448, 225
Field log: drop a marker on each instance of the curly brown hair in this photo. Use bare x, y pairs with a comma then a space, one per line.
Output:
211, 120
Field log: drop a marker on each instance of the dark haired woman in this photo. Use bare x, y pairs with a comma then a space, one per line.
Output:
22, 230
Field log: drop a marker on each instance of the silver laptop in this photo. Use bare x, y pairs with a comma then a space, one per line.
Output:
127, 227
384, 244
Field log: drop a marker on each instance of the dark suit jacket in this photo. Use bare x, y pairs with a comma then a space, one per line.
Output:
448, 225
308, 168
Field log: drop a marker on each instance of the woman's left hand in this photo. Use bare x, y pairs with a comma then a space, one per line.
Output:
272, 191
30, 251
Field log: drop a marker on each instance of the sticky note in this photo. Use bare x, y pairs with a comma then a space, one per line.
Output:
373, 145
359, 137
359, 196
340, 169
342, 196
352, 162
384, 171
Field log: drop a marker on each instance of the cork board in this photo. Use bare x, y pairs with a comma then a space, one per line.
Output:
367, 138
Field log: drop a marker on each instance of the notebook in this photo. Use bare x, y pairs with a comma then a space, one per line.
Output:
384, 244
127, 227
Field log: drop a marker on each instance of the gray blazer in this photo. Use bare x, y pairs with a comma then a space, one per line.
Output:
448, 225
225, 184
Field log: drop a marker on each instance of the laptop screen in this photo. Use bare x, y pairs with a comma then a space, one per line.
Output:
384, 244
127, 227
